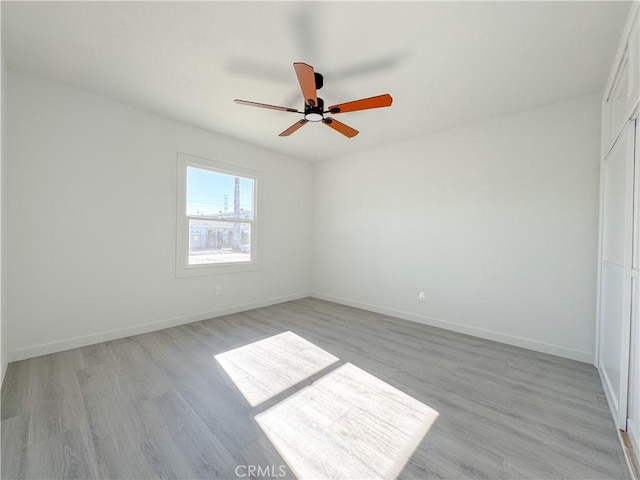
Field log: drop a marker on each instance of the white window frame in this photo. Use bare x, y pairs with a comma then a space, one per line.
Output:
183, 269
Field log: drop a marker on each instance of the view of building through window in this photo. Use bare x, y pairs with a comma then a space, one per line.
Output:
220, 213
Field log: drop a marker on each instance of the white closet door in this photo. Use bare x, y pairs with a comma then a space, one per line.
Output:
633, 407
615, 274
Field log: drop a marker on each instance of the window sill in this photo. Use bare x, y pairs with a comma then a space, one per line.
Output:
216, 269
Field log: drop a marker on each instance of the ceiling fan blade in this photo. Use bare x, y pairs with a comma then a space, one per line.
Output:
364, 104
346, 130
294, 127
307, 79
264, 105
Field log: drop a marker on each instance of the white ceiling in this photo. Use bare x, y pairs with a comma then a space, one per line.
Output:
444, 63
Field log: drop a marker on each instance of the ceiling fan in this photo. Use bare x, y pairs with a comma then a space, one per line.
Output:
314, 111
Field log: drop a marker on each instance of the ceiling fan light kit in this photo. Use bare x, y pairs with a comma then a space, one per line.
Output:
310, 82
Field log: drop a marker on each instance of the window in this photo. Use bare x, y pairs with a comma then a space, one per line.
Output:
216, 217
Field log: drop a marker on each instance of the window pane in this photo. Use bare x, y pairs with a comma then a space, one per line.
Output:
213, 241
217, 194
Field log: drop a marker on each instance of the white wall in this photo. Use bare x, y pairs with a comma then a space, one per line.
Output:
90, 221
496, 221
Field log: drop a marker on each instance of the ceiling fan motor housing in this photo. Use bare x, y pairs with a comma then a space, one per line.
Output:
314, 113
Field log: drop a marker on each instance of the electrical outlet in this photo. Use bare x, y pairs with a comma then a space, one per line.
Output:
422, 296
218, 291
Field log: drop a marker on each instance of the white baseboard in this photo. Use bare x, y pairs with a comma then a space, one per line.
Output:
535, 345
59, 346
62, 345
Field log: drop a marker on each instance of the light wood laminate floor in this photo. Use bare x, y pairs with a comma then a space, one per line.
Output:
160, 405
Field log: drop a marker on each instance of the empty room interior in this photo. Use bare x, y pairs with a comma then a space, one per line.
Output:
201, 280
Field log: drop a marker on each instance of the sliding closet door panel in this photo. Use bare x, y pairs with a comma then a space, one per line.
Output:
633, 407
616, 211
612, 305
615, 286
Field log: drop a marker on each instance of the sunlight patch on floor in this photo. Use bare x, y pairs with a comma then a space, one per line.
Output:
348, 424
265, 368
